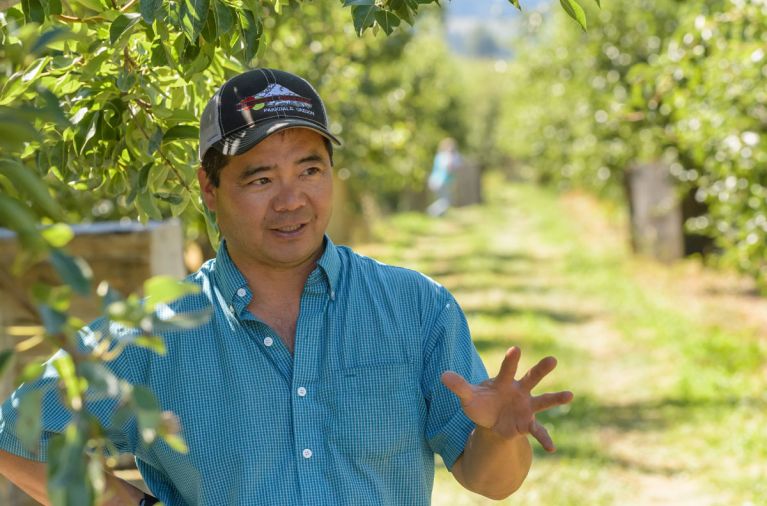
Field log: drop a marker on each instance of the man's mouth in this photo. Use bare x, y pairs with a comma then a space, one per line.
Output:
289, 228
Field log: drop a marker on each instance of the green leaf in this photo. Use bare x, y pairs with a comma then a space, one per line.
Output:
102, 384
143, 175
121, 24
19, 219
348, 3
148, 414
108, 295
49, 37
53, 320
404, 9
364, 16
170, 198
57, 297
86, 133
251, 31
15, 132
193, 16
149, 9
224, 16
6, 357
25, 180
31, 372
68, 482
29, 424
51, 7
147, 205
33, 11
164, 289
599, 3
176, 442
575, 11
74, 271
65, 366
154, 343
181, 132
516, 4
189, 320
58, 235
387, 21
209, 29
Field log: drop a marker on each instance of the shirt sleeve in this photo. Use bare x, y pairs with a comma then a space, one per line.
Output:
448, 348
54, 416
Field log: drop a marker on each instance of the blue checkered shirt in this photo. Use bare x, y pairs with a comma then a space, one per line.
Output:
354, 416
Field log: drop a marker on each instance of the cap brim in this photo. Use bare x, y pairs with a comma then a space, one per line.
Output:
240, 142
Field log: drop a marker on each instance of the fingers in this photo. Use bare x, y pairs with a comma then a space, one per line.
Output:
509, 365
542, 435
459, 386
547, 401
538, 372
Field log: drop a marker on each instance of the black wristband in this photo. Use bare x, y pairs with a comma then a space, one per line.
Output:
148, 500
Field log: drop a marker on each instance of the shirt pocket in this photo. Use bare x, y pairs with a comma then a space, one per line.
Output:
378, 411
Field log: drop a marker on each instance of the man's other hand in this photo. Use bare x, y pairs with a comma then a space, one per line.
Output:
506, 405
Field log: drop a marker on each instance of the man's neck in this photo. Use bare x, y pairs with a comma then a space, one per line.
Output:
277, 295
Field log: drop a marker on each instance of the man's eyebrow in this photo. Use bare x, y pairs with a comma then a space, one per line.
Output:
253, 170
314, 157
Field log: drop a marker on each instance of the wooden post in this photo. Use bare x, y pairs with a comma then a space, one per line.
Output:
656, 217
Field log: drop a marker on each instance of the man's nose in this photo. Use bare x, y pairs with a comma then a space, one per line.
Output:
289, 197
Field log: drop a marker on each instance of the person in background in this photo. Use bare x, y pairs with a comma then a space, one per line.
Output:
447, 163
323, 376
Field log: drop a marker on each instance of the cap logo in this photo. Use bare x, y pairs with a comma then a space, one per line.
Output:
276, 98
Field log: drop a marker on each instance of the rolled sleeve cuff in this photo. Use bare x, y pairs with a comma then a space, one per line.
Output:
10, 443
451, 440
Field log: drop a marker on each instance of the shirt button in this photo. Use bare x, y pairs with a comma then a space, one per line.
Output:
231, 308
241, 292
268, 341
307, 453
301, 391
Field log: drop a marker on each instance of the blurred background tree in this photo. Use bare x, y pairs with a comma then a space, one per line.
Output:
663, 81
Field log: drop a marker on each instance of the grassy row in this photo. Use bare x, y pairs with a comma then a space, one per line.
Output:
668, 408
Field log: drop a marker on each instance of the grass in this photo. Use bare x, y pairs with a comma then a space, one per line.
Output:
669, 408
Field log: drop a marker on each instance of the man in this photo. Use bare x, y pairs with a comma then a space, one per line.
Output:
320, 378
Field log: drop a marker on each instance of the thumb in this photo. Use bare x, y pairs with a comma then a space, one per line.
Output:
459, 386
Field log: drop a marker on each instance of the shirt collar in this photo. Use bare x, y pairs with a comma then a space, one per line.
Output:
230, 279
330, 263
234, 286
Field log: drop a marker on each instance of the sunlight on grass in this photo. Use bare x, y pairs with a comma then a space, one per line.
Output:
668, 409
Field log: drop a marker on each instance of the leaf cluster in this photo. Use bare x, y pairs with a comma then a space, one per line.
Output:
664, 80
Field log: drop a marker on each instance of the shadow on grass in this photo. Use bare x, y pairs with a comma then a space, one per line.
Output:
580, 440
529, 347
506, 310
586, 413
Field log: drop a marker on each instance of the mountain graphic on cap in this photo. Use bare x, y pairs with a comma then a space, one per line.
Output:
275, 95
257, 103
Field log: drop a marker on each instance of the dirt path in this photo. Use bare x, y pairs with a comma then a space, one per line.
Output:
553, 276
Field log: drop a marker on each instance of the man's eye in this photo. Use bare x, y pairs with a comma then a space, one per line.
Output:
260, 181
312, 171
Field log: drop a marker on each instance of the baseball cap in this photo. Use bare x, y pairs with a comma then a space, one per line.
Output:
257, 103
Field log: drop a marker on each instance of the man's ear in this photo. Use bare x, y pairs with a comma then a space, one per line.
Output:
207, 189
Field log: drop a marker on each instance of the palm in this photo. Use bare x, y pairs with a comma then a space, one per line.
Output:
504, 404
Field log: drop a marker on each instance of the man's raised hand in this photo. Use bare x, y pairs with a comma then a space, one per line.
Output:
506, 405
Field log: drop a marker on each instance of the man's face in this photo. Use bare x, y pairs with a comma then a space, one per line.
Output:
273, 203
